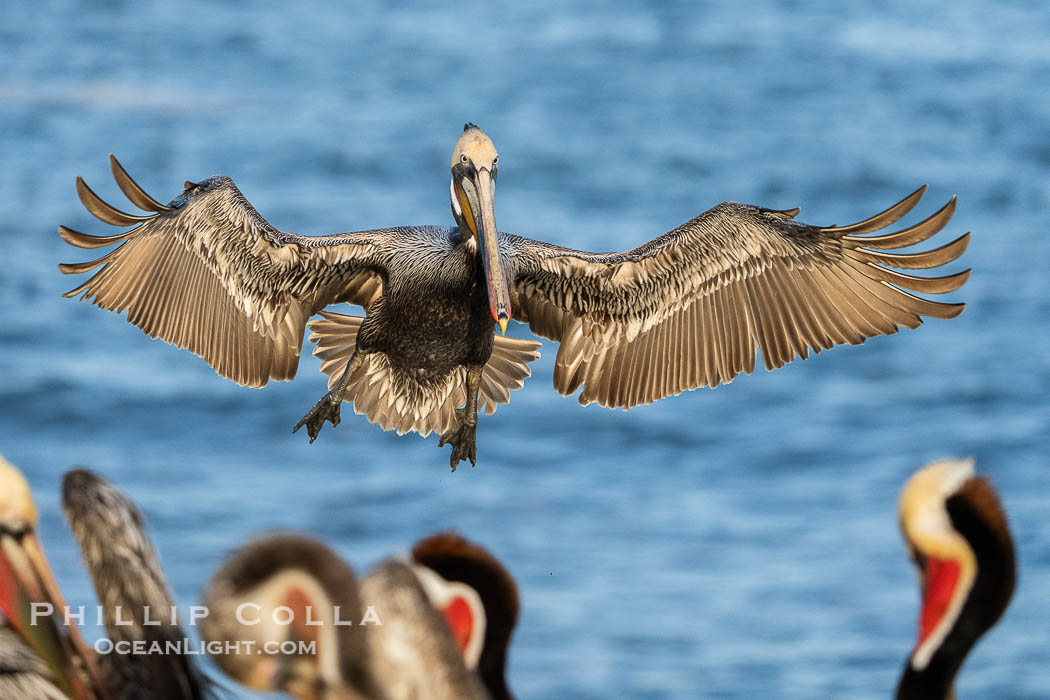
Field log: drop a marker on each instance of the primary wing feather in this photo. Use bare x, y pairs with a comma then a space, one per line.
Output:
209, 274
692, 307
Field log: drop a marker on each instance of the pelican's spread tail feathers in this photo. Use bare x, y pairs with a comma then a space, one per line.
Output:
397, 401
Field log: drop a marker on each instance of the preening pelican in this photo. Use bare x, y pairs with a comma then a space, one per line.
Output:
959, 541
110, 532
206, 272
405, 630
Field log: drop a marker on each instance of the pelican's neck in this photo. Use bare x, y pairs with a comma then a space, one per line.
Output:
137, 605
935, 682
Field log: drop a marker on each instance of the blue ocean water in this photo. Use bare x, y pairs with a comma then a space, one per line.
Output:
740, 542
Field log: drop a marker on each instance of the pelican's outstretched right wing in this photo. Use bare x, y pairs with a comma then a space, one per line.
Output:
207, 273
692, 307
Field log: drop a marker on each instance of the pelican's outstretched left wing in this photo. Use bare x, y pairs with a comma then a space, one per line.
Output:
206, 272
691, 307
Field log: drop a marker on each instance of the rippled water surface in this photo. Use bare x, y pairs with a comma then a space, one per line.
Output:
732, 543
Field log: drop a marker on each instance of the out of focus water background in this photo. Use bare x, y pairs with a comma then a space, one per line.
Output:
732, 543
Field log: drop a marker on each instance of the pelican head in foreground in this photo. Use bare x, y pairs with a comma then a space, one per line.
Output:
69, 667
405, 630
690, 308
110, 532
958, 538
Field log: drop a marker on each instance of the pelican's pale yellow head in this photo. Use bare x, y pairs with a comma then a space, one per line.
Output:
16, 502
475, 146
474, 165
29, 596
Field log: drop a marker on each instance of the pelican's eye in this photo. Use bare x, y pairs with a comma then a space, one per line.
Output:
495, 161
463, 158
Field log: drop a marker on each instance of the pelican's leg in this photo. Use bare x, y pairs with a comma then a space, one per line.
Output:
327, 409
461, 435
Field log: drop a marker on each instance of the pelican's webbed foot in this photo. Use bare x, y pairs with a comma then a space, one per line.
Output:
462, 438
327, 409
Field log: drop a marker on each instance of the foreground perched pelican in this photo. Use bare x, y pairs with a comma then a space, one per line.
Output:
958, 538
381, 637
206, 272
110, 532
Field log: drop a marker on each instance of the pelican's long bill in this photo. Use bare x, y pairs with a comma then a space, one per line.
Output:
474, 163
499, 295
29, 596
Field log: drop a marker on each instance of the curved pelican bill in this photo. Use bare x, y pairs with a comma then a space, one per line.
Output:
30, 597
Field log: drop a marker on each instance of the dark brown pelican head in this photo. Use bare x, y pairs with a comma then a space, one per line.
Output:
305, 577
479, 599
474, 165
958, 537
27, 585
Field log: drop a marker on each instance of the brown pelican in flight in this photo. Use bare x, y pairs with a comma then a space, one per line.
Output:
959, 540
136, 603
206, 272
435, 625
